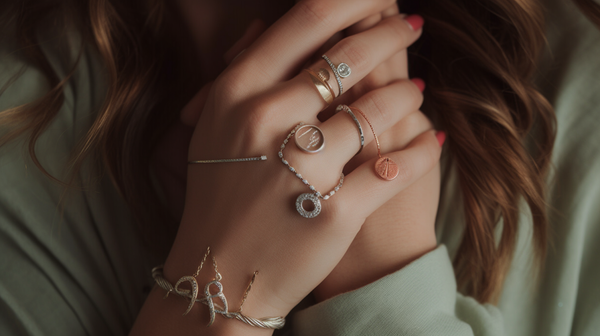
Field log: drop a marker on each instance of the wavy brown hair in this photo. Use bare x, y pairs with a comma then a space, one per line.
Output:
480, 58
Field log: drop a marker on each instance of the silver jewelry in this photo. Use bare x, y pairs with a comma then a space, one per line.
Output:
341, 70
310, 139
192, 295
316, 195
256, 158
360, 130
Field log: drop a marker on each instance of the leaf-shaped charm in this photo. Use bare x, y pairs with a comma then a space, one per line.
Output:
184, 292
386, 168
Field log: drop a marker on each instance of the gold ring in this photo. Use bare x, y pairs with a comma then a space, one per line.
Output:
320, 81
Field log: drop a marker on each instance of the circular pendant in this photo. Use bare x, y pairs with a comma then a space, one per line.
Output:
310, 139
343, 70
386, 168
315, 201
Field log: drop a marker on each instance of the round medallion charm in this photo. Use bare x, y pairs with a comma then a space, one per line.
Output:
310, 139
315, 201
343, 70
386, 168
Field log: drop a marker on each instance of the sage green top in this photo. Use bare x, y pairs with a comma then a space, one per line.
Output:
84, 272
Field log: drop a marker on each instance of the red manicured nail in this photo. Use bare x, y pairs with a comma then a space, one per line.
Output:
415, 22
441, 137
419, 82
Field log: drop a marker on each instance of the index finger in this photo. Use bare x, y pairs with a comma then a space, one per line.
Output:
286, 45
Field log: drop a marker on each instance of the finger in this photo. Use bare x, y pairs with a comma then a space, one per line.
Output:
364, 24
383, 108
393, 139
253, 31
416, 160
362, 53
390, 11
296, 36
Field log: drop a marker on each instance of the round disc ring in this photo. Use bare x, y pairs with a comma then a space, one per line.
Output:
310, 139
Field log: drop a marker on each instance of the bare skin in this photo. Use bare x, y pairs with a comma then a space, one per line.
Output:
244, 212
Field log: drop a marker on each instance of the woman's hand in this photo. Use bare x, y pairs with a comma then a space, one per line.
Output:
245, 211
401, 230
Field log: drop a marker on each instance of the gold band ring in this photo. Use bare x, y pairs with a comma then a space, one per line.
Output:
320, 81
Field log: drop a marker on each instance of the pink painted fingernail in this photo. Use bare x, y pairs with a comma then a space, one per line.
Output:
441, 137
415, 22
419, 83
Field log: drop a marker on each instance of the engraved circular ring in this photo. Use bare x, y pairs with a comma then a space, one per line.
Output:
310, 139
340, 71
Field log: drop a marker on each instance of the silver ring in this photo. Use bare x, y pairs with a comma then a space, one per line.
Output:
360, 130
341, 70
310, 139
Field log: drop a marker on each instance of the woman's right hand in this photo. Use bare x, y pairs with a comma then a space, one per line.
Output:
245, 211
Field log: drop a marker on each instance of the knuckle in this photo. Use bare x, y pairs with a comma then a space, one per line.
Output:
314, 12
228, 86
352, 51
257, 117
377, 106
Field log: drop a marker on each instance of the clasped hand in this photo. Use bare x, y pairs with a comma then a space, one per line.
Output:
245, 211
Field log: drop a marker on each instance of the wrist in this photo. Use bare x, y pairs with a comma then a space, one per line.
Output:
230, 282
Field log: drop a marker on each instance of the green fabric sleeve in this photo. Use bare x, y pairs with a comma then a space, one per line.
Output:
420, 299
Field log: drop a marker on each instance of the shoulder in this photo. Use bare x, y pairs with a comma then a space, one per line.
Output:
70, 265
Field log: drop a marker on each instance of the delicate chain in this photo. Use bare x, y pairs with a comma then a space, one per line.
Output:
247, 290
202, 263
257, 158
299, 176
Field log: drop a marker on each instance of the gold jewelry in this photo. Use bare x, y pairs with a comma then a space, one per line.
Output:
192, 295
320, 82
385, 167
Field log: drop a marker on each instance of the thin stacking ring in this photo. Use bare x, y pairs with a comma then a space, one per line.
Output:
360, 130
385, 167
341, 70
320, 82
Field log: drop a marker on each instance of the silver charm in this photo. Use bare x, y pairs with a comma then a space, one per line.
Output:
220, 295
194, 293
315, 201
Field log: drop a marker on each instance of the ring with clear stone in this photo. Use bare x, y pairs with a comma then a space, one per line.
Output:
340, 71
317, 195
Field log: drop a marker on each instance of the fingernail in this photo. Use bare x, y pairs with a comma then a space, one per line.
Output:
419, 83
441, 137
415, 22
